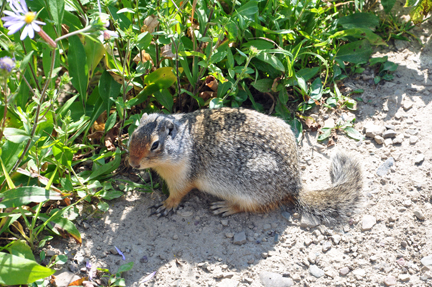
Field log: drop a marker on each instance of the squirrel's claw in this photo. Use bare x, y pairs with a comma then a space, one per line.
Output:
162, 211
222, 208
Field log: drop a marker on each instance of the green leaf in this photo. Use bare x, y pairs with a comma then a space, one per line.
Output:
325, 134
56, 8
125, 267
217, 57
359, 20
78, 68
353, 133
160, 79
355, 52
373, 61
111, 194
21, 249
377, 79
388, 5
94, 53
263, 85
15, 135
259, 44
272, 60
250, 8
144, 40
389, 66
366, 33
216, 103
165, 98
26, 194
103, 206
316, 89
108, 167
109, 124
56, 222
297, 128
109, 89
61, 259
15, 270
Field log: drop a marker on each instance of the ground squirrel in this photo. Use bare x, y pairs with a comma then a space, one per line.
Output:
246, 158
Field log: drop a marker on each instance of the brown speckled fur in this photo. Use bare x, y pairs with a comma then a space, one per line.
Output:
244, 157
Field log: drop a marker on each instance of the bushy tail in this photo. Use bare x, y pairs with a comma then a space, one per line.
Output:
343, 198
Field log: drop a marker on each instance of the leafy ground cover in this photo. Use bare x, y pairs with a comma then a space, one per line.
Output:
77, 75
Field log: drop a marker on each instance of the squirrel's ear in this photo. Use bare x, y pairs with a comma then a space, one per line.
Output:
170, 128
143, 118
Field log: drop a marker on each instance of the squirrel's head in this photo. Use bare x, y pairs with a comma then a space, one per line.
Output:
152, 143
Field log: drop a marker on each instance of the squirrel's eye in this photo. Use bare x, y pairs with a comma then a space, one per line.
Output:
155, 145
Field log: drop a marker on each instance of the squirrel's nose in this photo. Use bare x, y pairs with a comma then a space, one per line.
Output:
134, 165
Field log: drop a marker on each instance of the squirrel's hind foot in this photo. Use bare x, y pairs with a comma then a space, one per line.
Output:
226, 208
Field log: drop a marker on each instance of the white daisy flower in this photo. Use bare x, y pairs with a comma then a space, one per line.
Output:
20, 17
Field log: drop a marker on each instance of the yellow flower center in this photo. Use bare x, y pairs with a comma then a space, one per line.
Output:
29, 17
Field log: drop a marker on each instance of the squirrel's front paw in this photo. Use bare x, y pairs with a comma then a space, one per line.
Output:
165, 208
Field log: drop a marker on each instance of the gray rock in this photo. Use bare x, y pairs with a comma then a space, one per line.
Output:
379, 139
50, 252
388, 142
368, 222
413, 139
390, 281
389, 134
224, 222
407, 104
385, 167
286, 215
336, 239
371, 130
308, 220
228, 283
407, 203
266, 227
404, 277
344, 271
326, 246
427, 261
270, 279
359, 273
315, 271
398, 139
412, 132
240, 238
400, 44
419, 159
64, 278
184, 213
73, 267
229, 235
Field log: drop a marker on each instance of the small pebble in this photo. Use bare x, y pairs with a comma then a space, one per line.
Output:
390, 281
404, 277
419, 215
379, 139
240, 238
407, 203
266, 227
385, 167
389, 134
427, 261
368, 222
326, 246
419, 159
224, 222
413, 139
175, 237
316, 271
336, 239
344, 271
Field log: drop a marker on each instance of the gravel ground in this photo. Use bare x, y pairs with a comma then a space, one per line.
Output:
388, 244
